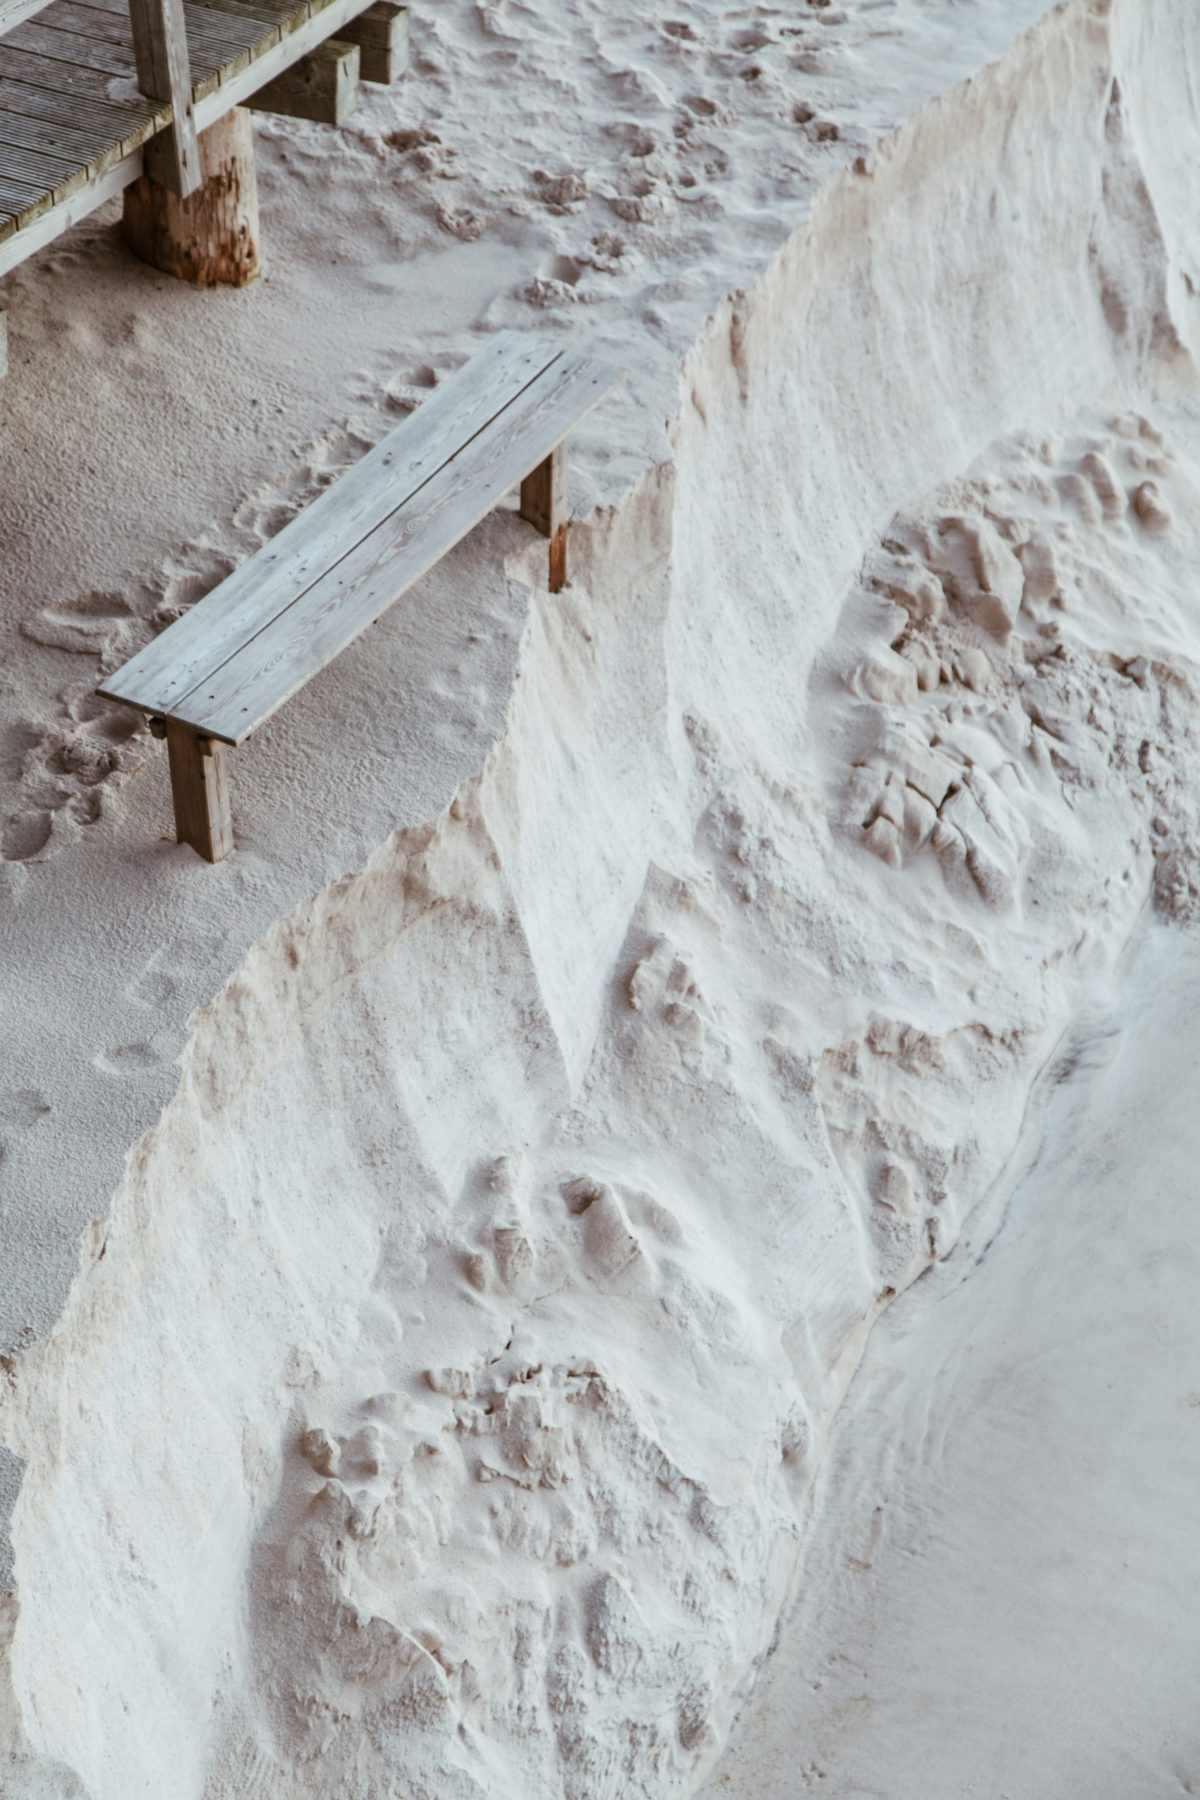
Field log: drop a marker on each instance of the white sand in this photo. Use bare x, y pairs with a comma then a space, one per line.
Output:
438, 1402
995, 1595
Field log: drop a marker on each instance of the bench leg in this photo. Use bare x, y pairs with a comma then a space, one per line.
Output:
200, 790
544, 504
212, 236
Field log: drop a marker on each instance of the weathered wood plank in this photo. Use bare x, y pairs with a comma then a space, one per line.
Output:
298, 35
54, 75
171, 665
268, 10
234, 31
267, 17
17, 195
20, 238
200, 791
322, 86
164, 72
46, 172
227, 32
78, 149
381, 33
106, 27
223, 31
544, 504
108, 119
41, 38
287, 653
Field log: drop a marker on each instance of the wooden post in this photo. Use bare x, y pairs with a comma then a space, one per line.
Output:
200, 790
164, 73
381, 33
211, 236
544, 504
322, 86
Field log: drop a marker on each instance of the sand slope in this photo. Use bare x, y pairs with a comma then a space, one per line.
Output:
991, 1597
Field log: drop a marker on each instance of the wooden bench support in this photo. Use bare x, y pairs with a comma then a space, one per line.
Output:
381, 33
199, 789
544, 504
210, 237
322, 87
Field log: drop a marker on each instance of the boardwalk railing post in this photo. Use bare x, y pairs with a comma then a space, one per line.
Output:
164, 73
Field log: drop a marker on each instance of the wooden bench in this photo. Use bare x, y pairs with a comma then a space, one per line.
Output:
218, 673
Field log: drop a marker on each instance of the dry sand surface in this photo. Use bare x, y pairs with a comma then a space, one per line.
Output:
995, 1596
439, 1240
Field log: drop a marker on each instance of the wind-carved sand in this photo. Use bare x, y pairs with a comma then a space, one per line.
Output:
439, 1399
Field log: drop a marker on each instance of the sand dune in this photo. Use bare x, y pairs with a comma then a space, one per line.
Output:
438, 1402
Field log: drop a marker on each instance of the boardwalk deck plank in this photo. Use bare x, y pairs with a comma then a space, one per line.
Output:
81, 149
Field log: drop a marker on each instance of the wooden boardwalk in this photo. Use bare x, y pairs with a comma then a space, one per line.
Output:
72, 121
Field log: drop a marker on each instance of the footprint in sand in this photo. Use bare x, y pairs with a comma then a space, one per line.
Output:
129, 1062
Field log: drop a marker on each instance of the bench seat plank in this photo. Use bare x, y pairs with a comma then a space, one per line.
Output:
340, 605
192, 649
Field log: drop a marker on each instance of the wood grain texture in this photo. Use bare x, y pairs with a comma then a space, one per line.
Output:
322, 86
364, 574
258, 678
164, 72
382, 35
209, 237
15, 12
174, 663
59, 44
544, 504
200, 792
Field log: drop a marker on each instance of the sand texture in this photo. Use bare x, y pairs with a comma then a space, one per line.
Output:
435, 1407
1000, 1532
